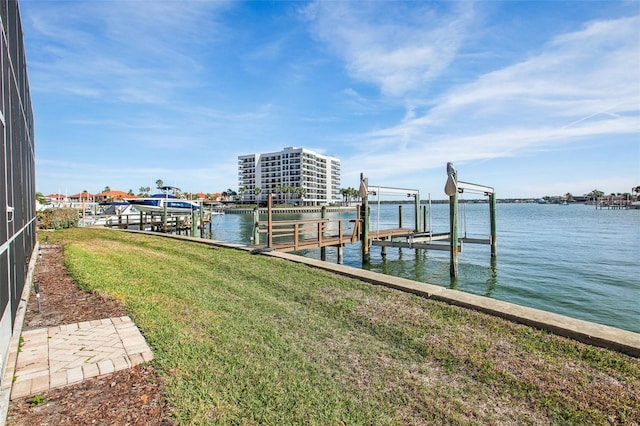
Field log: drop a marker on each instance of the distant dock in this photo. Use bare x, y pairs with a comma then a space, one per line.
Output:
290, 210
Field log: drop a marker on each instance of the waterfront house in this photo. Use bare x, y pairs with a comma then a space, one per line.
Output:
56, 198
82, 196
113, 195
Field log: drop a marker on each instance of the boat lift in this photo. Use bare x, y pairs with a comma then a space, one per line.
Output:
452, 188
421, 238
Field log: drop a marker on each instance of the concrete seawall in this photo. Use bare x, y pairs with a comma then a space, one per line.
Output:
583, 331
290, 210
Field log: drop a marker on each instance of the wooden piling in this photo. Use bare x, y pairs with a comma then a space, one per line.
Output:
494, 234
164, 217
323, 250
202, 219
417, 228
400, 216
364, 214
256, 226
453, 225
270, 220
194, 222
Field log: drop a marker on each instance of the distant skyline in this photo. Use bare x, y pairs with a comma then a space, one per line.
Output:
533, 98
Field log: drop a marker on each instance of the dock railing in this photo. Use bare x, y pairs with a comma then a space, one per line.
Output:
293, 235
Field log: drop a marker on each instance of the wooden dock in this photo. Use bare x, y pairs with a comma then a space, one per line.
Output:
293, 235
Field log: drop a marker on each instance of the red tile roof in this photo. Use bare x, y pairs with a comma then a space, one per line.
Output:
114, 195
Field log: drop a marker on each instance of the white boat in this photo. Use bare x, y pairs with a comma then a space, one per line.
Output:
109, 213
167, 201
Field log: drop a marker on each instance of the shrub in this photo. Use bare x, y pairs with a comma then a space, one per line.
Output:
58, 218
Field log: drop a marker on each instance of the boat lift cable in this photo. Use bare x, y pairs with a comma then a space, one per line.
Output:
464, 218
378, 190
430, 229
474, 188
378, 224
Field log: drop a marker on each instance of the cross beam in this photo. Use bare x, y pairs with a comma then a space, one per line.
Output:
374, 190
474, 187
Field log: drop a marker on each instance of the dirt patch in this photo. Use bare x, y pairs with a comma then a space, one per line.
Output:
129, 397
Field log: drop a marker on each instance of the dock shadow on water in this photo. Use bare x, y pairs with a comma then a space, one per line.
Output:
473, 278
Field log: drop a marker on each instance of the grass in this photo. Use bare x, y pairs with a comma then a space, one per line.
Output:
242, 339
36, 400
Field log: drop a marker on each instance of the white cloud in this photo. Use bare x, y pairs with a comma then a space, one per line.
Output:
581, 85
133, 51
400, 50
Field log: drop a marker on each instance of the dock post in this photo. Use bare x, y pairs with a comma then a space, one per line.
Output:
418, 227
383, 251
340, 254
202, 217
270, 220
164, 217
451, 189
494, 234
453, 219
364, 214
256, 226
323, 250
141, 221
194, 222
425, 219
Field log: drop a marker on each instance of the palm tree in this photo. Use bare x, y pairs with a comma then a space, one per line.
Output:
349, 194
278, 189
353, 193
258, 191
637, 191
300, 192
159, 183
288, 189
242, 190
144, 191
345, 193
230, 194
106, 189
40, 198
595, 194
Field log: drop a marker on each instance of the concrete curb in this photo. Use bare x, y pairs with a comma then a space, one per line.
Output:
591, 333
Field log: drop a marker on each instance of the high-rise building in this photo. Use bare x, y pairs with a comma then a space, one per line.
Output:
294, 175
17, 175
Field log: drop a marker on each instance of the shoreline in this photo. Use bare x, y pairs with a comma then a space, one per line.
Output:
591, 333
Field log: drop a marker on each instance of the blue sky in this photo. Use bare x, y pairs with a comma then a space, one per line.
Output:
533, 98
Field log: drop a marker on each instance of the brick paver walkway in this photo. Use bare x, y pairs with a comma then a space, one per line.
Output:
67, 354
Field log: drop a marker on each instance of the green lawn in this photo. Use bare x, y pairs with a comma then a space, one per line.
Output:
246, 339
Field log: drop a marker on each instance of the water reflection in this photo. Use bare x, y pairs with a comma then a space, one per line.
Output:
492, 281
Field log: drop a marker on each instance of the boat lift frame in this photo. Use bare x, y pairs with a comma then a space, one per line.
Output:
386, 190
452, 188
424, 240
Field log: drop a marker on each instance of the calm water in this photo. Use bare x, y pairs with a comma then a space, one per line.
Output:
572, 260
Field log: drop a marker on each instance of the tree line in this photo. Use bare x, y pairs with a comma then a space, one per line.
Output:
597, 194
